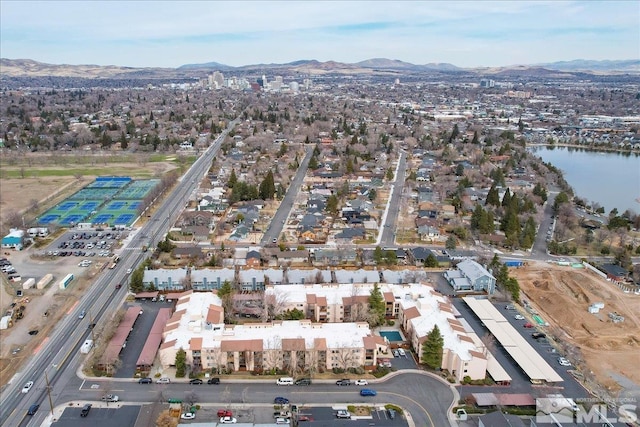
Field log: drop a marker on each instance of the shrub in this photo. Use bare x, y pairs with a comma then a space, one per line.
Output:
394, 407
391, 322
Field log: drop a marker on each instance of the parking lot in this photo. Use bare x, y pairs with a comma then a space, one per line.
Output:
86, 244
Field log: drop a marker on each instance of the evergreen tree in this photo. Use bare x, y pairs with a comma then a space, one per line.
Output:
475, 138
450, 243
377, 306
493, 198
332, 204
506, 199
378, 255
431, 261
267, 187
432, 349
232, 179
181, 363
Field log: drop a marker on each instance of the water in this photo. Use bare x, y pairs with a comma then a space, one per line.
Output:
611, 179
392, 336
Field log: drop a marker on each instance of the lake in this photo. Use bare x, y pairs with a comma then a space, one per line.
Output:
609, 178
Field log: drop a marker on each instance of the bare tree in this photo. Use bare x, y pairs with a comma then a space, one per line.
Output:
346, 357
273, 357
273, 304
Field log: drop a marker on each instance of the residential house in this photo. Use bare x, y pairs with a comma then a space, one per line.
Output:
469, 276
253, 259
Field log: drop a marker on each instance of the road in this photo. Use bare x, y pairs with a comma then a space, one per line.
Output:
424, 397
54, 355
393, 205
281, 215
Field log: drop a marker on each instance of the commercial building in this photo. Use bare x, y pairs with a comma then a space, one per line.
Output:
13, 240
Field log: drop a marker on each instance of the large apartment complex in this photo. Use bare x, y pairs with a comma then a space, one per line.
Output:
332, 336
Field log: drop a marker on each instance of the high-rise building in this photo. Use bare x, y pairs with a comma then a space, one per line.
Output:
487, 83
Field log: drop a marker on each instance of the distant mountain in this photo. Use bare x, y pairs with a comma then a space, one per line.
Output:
631, 65
31, 68
380, 66
207, 65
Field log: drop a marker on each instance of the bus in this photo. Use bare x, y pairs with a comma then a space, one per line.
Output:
114, 261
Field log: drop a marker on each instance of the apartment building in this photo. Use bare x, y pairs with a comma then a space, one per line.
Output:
296, 346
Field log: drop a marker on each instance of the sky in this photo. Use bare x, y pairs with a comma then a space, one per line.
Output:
173, 33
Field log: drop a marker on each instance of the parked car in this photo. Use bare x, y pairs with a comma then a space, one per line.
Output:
188, 416
343, 382
224, 413
283, 421
341, 413
85, 410
281, 401
537, 335
563, 361
401, 352
33, 409
528, 325
518, 317
303, 381
196, 381
213, 381
27, 387
33, 332
163, 380
228, 420
109, 398
145, 381
361, 382
368, 392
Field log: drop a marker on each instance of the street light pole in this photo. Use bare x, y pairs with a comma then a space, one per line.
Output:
46, 378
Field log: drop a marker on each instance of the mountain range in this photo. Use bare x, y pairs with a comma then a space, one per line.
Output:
31, 68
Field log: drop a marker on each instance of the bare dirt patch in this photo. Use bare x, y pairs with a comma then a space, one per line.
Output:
562, 296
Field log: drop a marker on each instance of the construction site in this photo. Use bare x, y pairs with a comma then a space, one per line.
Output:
593, 321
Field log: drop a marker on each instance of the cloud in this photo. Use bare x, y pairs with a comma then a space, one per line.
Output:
172, 33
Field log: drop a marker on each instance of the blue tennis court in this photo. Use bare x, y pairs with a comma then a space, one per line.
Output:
133, 206
124, 219
67, 206
89, 206
71, 219
115, 206
48, 219
102, 219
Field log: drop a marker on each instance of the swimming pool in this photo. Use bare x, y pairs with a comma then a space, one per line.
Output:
391, 335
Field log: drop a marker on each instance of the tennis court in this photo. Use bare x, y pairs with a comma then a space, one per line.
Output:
107, 200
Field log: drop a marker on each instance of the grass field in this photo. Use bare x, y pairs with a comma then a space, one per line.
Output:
32, 183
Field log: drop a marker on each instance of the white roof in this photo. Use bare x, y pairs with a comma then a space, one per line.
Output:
334, 293
518, 348
430, 316
193, 324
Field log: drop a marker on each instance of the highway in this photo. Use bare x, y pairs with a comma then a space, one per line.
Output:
52, 357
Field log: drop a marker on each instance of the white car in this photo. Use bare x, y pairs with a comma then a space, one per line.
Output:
188, 416
518, 317
228, 420
361, 382
27, 387
163, 380
129, 272
563, 361
110, 398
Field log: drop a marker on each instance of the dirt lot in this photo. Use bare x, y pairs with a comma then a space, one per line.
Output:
562, 295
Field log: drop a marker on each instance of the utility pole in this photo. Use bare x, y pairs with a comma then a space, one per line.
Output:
46, 378
91, 325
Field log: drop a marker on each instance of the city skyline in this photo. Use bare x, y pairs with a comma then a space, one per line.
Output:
171, 34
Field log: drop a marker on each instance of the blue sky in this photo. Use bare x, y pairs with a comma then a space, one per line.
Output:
173, 33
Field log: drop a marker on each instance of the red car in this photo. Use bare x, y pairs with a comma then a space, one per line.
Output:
528, 325
224, 413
